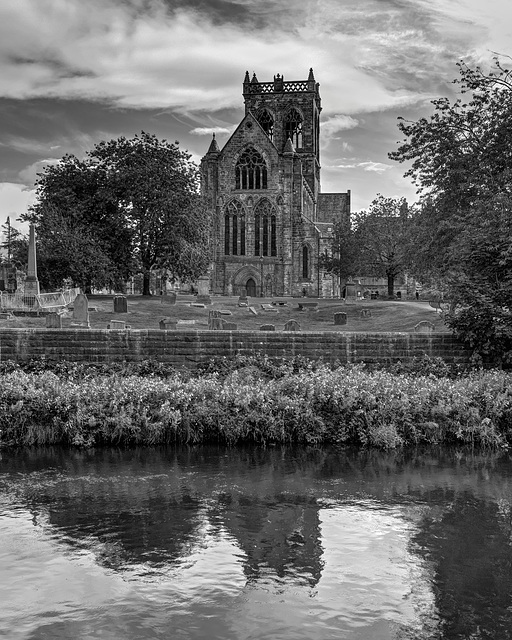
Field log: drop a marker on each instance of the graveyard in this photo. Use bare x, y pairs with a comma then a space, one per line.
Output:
186, 313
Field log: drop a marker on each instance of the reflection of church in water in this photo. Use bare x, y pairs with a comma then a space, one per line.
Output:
270, 220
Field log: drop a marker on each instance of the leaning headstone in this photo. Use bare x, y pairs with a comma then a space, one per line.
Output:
81, 312
366, 314
424, 327
267, 327
253, 311
340, 318
120, 304
229, 326
54, 321
292, 325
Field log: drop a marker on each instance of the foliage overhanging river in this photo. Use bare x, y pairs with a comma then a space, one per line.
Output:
278, 543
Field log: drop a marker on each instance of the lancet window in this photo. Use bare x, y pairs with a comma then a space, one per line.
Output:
293, 128
265, 229
305, 262
266, 121
251, 170
234, 229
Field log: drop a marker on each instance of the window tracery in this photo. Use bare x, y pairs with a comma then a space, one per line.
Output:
293, 128
266, 121
234, 229
265, 229
251, 170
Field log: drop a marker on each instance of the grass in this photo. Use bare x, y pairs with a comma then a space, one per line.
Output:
145, 313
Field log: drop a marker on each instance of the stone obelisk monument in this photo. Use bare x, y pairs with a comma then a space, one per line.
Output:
31, 281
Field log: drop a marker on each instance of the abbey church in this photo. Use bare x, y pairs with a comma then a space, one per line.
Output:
271, 222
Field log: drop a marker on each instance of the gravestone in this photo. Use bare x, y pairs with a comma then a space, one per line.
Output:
168, 324
54, 321
31, 285
81, 312
118, 325
214, 324
292, 325
213, 319
229, 326
169, 297
253, 311
424, 327
366, 314
203, 290
269, 308
267, 327
120, 304
242, 301
350, 292
340, 318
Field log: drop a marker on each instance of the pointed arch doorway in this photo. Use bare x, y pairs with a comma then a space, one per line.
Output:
250, 285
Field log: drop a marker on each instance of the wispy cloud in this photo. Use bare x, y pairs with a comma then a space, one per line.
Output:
208, 131
336, 123
377, 167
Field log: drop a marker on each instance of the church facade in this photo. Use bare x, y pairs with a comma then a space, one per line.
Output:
270, 220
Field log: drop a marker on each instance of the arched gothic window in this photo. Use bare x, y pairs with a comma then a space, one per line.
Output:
293, 128
305, 263
265, 229
266, 121
251, 170
234, 229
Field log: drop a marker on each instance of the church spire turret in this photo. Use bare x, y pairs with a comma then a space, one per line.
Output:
214, 147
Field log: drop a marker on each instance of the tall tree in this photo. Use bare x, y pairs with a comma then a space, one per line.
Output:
155, 186
132, 205
14, 245
341, 258
460, 155
461, 160
81, 232
382, 237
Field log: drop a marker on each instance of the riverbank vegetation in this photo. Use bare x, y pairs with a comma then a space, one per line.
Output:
254, 400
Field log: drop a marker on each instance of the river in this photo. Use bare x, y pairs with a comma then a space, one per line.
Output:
277, 544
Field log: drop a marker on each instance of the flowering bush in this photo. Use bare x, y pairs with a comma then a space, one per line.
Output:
256, 402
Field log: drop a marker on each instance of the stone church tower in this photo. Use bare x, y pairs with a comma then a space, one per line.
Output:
270, 220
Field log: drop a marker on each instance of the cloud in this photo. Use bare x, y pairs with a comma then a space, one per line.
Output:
191, 54
16, 199
377, 167
28, 175
337, 123
205, 131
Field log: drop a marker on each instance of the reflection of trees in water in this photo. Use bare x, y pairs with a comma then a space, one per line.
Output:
142, 507
469, 548
151, 505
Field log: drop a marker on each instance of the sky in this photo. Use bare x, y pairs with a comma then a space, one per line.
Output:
74, 73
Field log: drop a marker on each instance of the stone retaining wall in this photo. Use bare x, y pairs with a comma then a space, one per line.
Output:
190, 347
